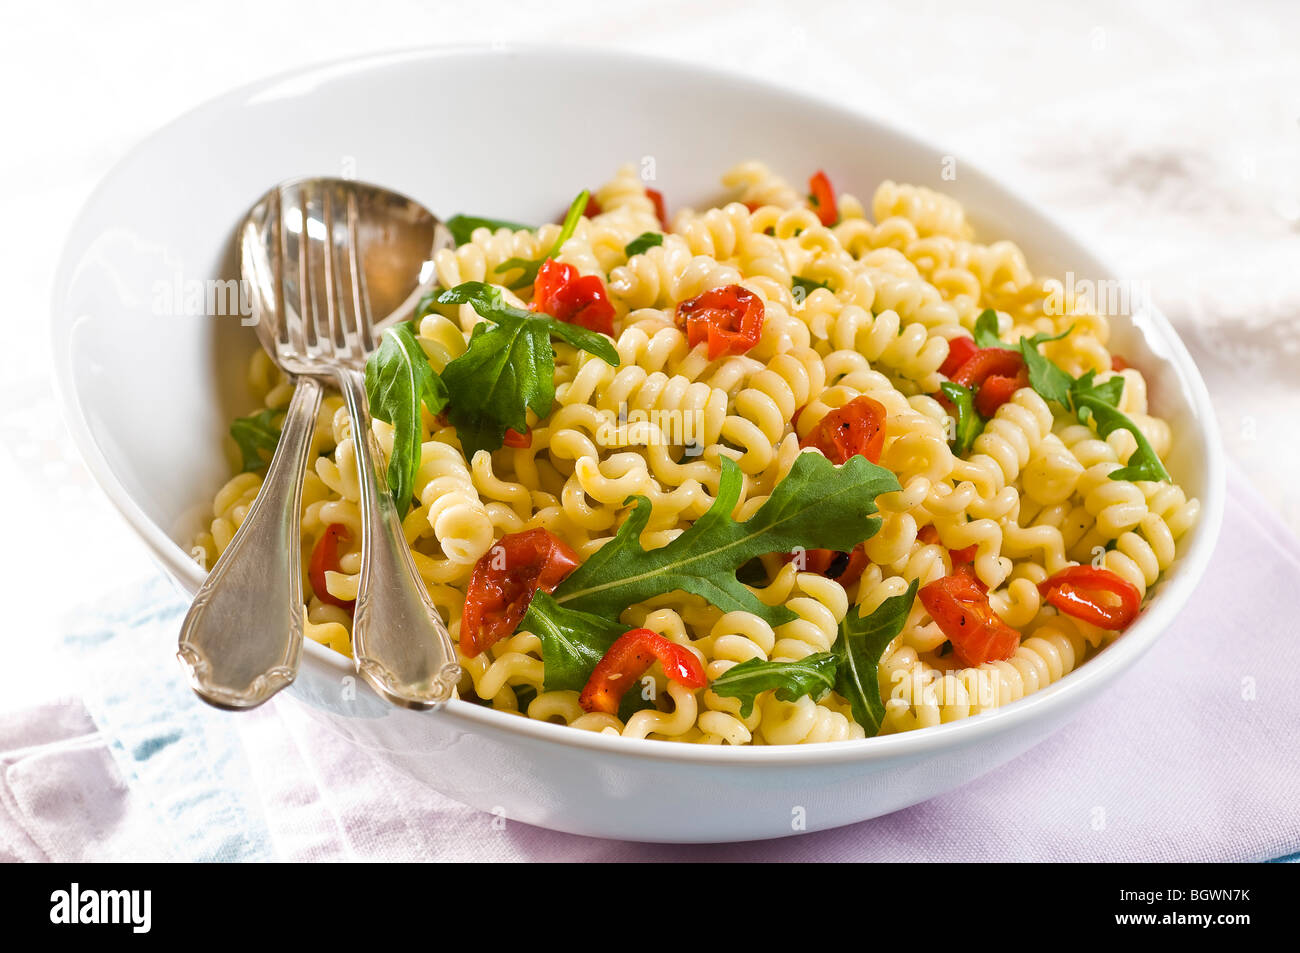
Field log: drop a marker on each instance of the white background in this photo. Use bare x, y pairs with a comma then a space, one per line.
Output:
1167, 133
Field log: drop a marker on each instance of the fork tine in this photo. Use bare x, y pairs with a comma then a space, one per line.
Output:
295, 284
278, 258
334, 312
360, 295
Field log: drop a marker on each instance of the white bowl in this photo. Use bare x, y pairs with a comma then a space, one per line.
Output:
149, 397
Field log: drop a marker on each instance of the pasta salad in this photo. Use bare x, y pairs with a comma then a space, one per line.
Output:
772, 472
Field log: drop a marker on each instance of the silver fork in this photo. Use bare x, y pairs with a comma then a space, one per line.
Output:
313, 250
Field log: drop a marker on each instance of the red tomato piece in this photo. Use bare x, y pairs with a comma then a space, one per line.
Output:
504, 581
628, 659
929, 535
1081, 591
1118, 363
997, 389
959, 605
961, 557
521, 441
822, 199
856, 428
844, 568
730, 319
325, 558
572, 298
960, 350
985, 363
593, 208
657, 198
856, 566
814, 560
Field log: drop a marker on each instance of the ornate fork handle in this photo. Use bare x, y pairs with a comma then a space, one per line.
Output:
401, 646
242, 638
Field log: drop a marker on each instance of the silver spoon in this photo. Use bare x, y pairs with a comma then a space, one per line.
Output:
321, 257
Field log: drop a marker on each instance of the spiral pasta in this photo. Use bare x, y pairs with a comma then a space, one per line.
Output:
865, 307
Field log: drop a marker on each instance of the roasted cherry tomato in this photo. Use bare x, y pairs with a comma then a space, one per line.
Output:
985, 363
504, 582
627, 660
730, 319
520, 441
822, 199
1097, 596
1118, 363
325, 558
844, 568
593, 207
856, 428
657, 198
998, 389
572, 298
960, 350
959, 605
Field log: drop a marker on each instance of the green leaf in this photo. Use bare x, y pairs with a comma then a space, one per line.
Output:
643, 242
986, 329
256, 436
817, 506
1043, 337
1108, 392
1092, 401
813, 675
398, 380
986, 332
462, 226
425, 305
861, 643
572, 641
1144, 463
1050, 381
803, 287
968, 421
529, 268
506, 368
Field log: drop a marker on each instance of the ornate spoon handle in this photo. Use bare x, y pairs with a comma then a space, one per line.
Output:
242, 638
401, 646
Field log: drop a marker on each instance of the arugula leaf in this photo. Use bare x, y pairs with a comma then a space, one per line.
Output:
803, 287
643, 242
462, 226
817, 506
528, 274
572, 641
986, 332
968, 422
506, 368
1144, 463
813, 675
398, 380
986, 329
1093, 401
1042, 337
1050, 381
1108, 392
256, 436
861, 643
